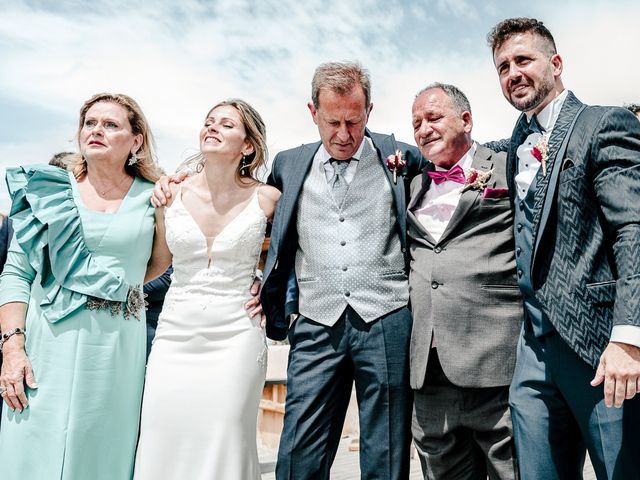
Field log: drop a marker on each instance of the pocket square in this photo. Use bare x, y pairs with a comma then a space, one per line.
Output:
567, 164
495, 193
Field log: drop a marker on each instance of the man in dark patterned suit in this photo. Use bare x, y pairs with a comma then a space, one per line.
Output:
574, 172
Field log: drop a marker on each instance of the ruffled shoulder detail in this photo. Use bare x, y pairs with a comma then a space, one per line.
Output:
47, 227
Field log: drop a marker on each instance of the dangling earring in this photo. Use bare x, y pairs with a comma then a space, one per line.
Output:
133, 159
243, 166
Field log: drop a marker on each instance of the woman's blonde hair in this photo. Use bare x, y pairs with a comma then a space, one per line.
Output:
146, 166
256, 135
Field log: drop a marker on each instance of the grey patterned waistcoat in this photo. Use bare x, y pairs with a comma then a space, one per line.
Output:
354, 258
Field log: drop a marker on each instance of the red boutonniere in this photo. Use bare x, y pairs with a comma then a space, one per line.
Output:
395, 162
541, 152
476, 179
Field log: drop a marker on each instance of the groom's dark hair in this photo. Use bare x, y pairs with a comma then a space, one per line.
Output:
513, 26
340, 77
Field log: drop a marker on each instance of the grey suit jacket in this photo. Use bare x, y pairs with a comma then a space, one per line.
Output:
463, 288
288, 173
586, 258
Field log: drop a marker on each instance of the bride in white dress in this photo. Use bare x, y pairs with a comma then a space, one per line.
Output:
208, 360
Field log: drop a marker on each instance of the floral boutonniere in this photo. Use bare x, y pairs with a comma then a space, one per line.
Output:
395, 162
476, 180
541, 152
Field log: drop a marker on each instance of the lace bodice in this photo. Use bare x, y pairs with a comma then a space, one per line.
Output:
235, 251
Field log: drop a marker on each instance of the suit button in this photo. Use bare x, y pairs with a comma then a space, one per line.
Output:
341, 219
434, 285
344, 269
519, 227
437, 250
518, 251
347, 294
520, 273
343, 243
404, 250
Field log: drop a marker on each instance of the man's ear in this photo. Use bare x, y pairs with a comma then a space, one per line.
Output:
557, 63
468, 121
314, 112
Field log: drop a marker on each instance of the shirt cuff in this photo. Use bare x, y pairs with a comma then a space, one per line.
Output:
629, 334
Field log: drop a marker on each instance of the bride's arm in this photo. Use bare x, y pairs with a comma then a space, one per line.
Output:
268, 196
267, 199
161, 255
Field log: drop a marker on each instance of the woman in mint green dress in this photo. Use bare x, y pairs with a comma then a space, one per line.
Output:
72, 311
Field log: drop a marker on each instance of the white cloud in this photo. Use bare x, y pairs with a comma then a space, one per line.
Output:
178, 59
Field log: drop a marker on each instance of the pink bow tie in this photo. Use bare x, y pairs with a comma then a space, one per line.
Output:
456, 174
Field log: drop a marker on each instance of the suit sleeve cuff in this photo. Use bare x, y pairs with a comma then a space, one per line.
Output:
629, 334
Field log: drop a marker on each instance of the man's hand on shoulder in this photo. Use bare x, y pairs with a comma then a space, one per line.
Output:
619, 369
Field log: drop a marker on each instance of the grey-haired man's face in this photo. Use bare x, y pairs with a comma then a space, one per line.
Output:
341, 121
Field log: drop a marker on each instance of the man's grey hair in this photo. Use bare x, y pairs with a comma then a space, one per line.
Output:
458, 99
340, 77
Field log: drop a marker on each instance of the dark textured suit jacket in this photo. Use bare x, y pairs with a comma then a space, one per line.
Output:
586, 259
6, 232
463, 287
288, 173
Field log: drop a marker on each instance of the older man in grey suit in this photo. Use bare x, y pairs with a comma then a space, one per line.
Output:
467, 309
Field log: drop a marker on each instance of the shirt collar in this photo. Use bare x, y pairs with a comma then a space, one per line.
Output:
325, 156
465, 161
549, 114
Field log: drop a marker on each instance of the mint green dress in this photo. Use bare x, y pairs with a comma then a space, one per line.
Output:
82, 421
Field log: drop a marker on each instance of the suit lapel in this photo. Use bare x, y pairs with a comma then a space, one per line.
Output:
425, 182
299, 170
517, 138
543, 198
483, 163
385, 146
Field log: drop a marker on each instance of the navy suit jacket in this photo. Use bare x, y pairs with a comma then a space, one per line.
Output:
288, 173
6, 232
586, 257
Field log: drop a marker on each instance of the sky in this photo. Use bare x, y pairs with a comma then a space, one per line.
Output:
179, 58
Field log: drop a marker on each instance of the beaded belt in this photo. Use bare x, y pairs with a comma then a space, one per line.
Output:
134, 304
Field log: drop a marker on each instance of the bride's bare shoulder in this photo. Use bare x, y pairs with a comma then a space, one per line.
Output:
268, 197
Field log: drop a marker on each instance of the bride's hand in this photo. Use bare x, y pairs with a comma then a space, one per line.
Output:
254, 306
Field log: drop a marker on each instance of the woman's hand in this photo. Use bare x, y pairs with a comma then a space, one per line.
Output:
162, 191
16, 370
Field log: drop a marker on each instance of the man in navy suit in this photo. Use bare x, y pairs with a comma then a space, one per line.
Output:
337, 270
574, 175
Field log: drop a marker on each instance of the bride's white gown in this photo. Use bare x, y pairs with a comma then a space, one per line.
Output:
208, 361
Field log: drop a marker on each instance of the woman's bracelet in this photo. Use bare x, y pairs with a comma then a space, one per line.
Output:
6, 336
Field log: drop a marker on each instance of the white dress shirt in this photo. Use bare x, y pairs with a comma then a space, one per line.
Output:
437, 206
324, 157
528, 165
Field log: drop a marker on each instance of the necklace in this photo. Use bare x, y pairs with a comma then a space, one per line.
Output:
102, 193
